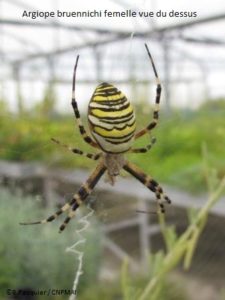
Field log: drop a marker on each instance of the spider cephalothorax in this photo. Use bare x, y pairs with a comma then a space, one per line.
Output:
112, 124
114, 164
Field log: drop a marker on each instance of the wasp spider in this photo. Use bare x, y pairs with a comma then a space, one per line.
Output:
112, 125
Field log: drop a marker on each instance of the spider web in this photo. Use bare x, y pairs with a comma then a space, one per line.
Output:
79, 253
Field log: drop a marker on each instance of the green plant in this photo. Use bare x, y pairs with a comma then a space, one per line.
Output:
183, 247
103, 291
175, 158
35, 256
178, 248
166, 289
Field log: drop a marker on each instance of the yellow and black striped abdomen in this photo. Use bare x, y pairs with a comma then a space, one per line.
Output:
111, 119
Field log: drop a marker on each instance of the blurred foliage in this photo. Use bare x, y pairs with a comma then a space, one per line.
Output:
28, 138
167, 288
213, 105
222, 294
35, 256
110, 291
46, 107
103, 291
179, 249
175, 159
3, 107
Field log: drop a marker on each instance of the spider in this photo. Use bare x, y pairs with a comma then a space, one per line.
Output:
112, 125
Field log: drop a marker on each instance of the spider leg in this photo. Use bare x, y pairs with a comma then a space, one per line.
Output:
76, 200
71, 214
144, 149
149, 182
157, 101
77, 151
83, 132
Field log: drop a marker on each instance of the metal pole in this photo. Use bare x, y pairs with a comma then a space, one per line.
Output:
167, 65
16, 75
98, 63
145, 249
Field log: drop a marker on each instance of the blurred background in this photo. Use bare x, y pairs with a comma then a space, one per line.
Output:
37, 58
